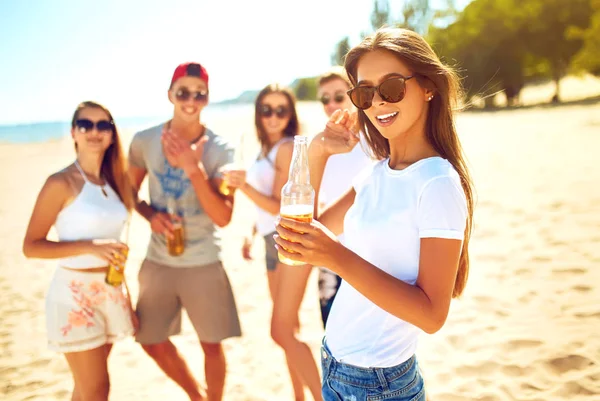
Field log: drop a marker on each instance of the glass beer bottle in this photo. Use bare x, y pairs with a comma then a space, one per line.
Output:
237, 164
176, 243
225, 189
116, 271
115, 275
297, 195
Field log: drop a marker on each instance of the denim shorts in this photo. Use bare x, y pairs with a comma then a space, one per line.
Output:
343, 382
271, 258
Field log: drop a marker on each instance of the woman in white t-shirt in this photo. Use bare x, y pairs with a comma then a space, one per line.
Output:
276, 123
406, 222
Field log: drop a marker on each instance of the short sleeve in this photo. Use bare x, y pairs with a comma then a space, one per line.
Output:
136, 152
442, 209
221, 155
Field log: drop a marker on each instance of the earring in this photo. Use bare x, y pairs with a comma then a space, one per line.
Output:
430, 97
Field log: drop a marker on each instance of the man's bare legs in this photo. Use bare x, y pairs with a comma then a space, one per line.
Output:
167, 357
215, 367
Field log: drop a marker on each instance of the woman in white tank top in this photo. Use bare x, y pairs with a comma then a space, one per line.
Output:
88, 204
276, 124
406, 221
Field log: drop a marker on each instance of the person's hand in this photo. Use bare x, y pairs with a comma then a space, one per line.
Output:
180, 153
246, 249
110, 250
162, 223
311, 243
341, 132
234, 178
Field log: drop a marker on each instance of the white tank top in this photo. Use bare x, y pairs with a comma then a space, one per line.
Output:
261, 175
96, 213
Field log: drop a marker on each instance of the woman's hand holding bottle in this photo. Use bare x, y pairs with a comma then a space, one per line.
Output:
112, 251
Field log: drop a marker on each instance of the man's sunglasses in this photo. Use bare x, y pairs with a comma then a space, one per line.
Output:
338, 97
392, 90
183, 94
85, 125
267, 111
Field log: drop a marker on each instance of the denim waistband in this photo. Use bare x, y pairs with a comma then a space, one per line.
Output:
360, 376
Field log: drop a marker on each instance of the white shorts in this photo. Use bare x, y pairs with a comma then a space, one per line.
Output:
83, 312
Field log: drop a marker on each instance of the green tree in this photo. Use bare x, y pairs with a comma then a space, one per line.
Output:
484, 43
341, 48
416, 16
445, 15
381, 14
306, 88
547, 33
588, 57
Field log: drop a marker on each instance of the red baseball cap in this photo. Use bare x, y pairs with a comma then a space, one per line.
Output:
190, 69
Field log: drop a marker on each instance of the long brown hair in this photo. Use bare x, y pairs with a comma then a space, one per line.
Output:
440, 130
293, 125
114, 164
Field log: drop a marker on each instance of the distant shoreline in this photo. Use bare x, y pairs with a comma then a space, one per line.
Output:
44, 131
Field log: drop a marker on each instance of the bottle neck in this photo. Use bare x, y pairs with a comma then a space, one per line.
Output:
299, 172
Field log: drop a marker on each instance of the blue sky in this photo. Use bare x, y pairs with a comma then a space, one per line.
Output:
54, 54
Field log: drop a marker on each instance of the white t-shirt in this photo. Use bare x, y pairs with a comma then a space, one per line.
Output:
261, 175
392, 211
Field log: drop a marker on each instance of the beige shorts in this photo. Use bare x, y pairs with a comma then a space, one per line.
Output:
83, 312
203, 291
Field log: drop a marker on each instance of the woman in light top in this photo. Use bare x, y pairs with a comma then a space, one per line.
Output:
406, 221
339, 172
88, 204
276, 123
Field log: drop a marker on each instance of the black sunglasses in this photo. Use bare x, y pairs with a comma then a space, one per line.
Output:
392, 90
267, 111
183, 94
85, 125
338, 97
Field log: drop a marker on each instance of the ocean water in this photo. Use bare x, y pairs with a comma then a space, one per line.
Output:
231, 121
44, 131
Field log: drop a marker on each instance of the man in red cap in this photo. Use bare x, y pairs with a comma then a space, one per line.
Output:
183, 160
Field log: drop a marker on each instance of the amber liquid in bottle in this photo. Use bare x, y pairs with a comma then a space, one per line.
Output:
176, 244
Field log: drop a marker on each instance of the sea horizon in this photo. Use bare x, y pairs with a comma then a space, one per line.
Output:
41, 131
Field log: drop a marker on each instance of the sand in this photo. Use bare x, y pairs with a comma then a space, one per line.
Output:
527, 327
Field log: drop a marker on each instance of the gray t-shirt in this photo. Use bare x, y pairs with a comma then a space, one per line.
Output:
202, 244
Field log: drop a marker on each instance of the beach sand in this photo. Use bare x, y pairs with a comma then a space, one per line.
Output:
527, 327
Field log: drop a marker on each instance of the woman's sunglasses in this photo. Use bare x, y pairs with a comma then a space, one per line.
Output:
392, 90
338, 97
85, 125
267, 111
183, 94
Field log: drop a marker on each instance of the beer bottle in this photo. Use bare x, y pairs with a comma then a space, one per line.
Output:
297, 195
176, 244
236, 165
116, 271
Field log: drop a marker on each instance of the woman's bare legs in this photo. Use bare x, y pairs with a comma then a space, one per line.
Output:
285, 324
90, 373
273, 279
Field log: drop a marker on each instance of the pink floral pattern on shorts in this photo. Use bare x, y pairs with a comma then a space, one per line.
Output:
87, 299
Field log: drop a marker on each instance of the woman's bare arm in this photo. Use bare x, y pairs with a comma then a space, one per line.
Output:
51, 199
